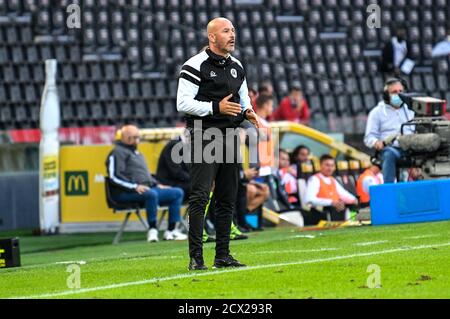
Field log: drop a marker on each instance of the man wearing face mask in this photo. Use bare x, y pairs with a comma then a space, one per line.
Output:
384, 122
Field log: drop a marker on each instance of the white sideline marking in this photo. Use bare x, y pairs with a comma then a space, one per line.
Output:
219, 272
82, 262
289, 251
304, 236
368, 243
421, 236
79, 262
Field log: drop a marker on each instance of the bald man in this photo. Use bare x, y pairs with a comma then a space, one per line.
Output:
132, 182
213, 93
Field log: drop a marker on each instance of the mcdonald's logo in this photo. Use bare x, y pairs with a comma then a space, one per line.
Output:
76, 183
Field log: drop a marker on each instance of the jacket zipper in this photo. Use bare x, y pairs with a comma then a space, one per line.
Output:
228, 80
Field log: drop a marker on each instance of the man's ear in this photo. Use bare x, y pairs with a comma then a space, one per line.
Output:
211, 38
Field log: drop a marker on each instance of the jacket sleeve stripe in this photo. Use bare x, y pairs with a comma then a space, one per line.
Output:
191, 70
190, 74
113, 177
185, 75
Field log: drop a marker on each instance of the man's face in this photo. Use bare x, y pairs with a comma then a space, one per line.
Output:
401, 34
297, 95
395, 88
268, 107
327, 167
376, 169
225, 37
303, 155
131, 136
296, 98
284, 160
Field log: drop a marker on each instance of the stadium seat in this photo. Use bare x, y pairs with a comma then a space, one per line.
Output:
344, 177
354, 169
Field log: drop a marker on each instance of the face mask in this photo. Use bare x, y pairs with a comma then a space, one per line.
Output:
396, 101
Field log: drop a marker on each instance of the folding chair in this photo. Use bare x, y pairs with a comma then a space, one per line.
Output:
165, 211
127, 208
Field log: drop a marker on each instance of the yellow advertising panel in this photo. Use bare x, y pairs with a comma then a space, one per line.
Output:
82, 181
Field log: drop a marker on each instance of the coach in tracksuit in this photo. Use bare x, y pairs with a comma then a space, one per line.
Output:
213, 91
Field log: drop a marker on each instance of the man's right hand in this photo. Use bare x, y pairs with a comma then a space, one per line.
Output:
229, 108
339, 205
379, 145
142, 189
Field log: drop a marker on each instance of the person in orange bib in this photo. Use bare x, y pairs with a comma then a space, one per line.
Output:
371, 176
323, 190
264, 107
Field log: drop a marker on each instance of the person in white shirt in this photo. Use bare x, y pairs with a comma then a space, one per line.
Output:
323, 190
395, 52
384, 122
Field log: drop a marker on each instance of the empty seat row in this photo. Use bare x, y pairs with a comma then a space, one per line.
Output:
32, 52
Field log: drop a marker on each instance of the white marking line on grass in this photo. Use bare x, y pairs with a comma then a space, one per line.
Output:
368, 243
304, 236
290, 251
219, 272
79, 262
421, 236
82, 262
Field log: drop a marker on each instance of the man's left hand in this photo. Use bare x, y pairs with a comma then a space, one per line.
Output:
252, 117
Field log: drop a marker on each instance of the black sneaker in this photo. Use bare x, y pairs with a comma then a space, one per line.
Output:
244, 229
249, 227
238, 237
227, 261
197, 263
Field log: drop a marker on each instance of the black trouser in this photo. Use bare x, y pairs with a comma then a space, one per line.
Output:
203, 175
241, 204
314, 216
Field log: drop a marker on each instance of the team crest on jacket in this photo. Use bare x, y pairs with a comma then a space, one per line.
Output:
233, 73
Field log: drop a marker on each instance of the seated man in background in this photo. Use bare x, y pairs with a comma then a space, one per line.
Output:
300, 155
292, 108
265, 88
371, 176
252, 191
171, 173
323, 190
264, 107
132, 182
384, 123
257, 193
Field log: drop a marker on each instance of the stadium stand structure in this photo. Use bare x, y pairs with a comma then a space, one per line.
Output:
122, 64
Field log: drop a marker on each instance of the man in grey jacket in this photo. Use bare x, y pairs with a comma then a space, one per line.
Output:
132, 182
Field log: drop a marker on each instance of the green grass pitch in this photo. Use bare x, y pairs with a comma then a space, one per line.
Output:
407, 261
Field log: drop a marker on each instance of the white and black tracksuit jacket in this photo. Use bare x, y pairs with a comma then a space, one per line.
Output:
205, 79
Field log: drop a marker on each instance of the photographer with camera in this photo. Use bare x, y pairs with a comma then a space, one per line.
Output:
384, 124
